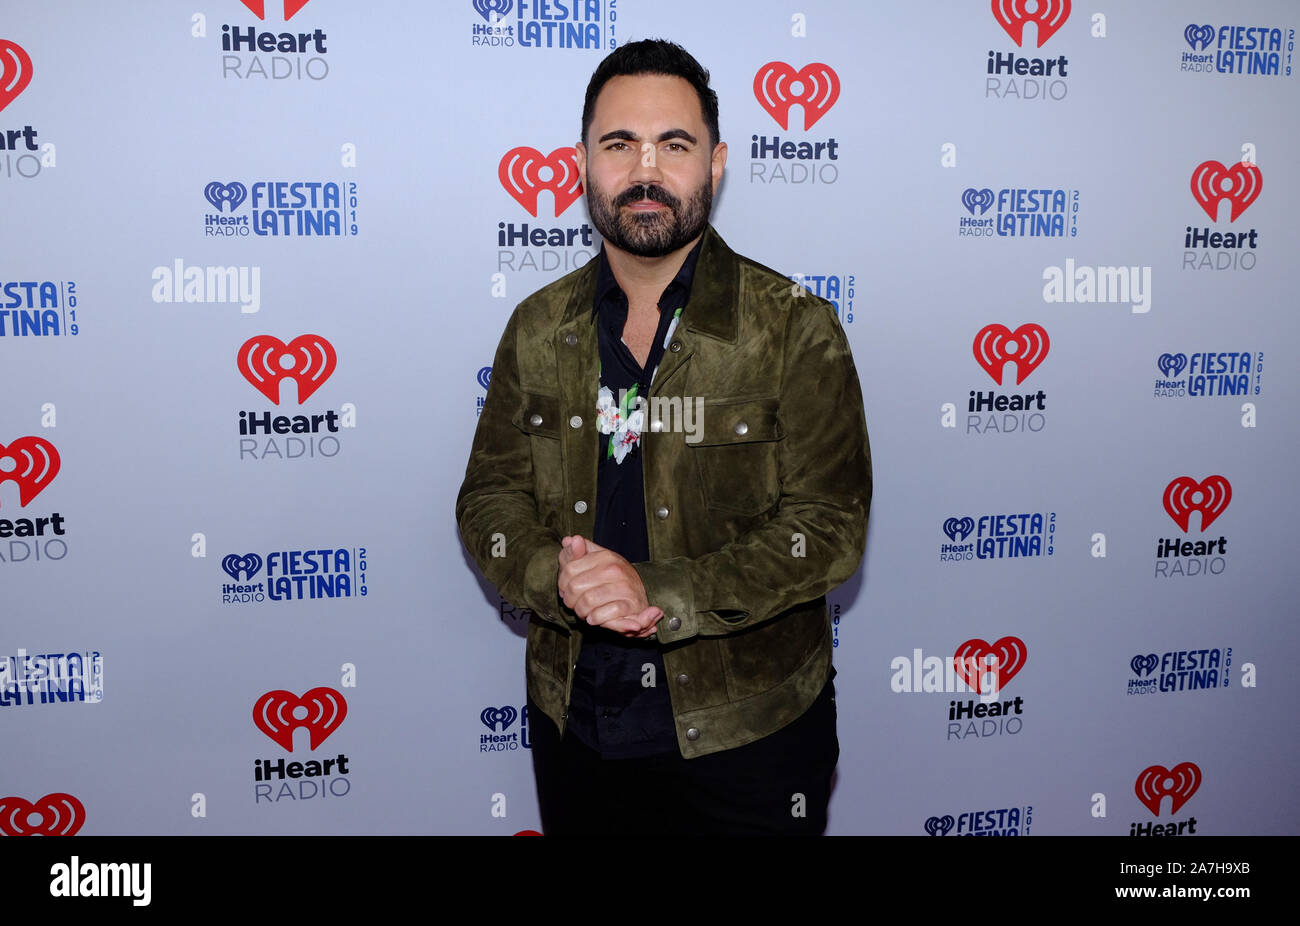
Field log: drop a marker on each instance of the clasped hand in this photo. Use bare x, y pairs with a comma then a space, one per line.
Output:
604, 590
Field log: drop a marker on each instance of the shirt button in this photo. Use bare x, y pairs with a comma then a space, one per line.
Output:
580, 506
692, 734
674, 623
683, 679
661, 513
575, 421
571, 339
741, 428
535, 420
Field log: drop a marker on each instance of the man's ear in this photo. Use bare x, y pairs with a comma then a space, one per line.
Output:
717, 163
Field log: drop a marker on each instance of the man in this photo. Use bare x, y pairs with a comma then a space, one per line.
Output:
676, 552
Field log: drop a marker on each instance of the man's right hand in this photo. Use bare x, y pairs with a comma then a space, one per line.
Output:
604, 590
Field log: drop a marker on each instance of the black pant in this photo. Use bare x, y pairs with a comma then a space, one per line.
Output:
778, 785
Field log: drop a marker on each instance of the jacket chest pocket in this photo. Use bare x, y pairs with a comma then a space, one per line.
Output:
538, 416
736, 453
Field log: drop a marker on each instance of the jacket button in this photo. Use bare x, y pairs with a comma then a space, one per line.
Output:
571, 339
535, 420
575, 421
692, 734
661, 513
674, 623
675, 347
580, 506
564, 715
741, 428
683, 679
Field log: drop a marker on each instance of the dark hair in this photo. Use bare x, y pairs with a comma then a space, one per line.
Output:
653, 56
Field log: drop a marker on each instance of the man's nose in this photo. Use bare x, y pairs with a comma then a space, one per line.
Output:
647, 169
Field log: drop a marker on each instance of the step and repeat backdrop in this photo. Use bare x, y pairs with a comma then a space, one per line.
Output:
256, 260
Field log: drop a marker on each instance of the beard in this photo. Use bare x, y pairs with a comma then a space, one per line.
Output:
649, 234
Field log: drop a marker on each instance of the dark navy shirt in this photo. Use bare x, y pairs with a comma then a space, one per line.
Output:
611, 711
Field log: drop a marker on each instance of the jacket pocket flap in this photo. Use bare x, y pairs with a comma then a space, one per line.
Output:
738, 421
538, 414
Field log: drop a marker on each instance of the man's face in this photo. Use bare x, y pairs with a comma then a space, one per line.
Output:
649, 172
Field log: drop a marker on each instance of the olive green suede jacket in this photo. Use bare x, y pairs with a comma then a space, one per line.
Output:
752, 518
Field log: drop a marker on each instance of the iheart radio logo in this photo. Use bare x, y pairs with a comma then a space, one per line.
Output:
525, 172
1199, 37
498, 718
976, 660
974, 199
940, 826
818, 89
308, 360
1239, 185
223, 194
958, 529
15, 71
248, 565
1171, 364
1185, 495
278, 713
258, 7
997, 345
32, 462
1144, 665
1048, 16
1179, 782
57, 814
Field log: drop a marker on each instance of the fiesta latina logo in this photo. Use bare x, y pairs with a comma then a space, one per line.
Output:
545, 24
1155, 783
996, 347
525, 173
57, 814
1020, 213
1182, 498
278, 714
1009, 76
999, 536
1001, 821
1209, 373
294, 575
39, 308
1180, 670
777, 88
1213, 184
307, 361
51, 678
500, 737
281, 208
31, 463
1255, 50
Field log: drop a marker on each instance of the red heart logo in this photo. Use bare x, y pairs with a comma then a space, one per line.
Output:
820, 88
32, 463
308, 360
323, 711
1048, 16
997, 345
258, 7
1179, 782
1180, 499
520, 173
60, 815
1239, 185
975, 660
15, 71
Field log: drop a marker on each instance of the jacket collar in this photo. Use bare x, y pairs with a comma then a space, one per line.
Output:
715, 293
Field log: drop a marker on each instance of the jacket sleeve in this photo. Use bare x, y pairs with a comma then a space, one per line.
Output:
496, 508
816, 539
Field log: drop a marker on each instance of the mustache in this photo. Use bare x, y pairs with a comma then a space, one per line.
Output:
646, 191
